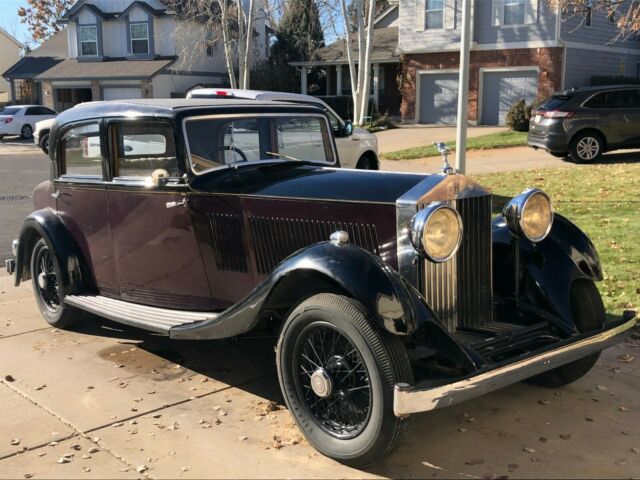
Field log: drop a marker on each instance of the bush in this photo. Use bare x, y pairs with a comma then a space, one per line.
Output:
381, 122
518, 116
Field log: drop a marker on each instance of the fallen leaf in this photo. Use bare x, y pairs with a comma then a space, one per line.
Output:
528, 449
565, 436
9, 378
474, 461
626, 358
15, 441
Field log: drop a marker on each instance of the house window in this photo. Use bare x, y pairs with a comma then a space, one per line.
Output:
435, 14
139, 38
88, 37
514, 12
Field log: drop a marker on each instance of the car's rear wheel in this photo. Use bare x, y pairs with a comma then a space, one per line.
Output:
48, 290
337, 373
44, 143
588, 314
587, 147
26, 131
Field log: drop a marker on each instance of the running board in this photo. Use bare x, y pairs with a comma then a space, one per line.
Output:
155, 319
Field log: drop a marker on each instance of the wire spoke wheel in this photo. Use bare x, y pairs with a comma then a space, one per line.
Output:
333, 380
47, 280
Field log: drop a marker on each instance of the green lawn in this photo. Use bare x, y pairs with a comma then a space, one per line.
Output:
493, 140
603, 201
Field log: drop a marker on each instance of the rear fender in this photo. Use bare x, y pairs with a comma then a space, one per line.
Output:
47, 224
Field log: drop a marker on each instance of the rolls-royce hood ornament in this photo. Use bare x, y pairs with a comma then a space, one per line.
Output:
446, 169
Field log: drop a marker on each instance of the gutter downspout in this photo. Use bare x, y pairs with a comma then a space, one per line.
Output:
561, 44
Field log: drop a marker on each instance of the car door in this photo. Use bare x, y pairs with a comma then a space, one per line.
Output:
81, 200
155, 249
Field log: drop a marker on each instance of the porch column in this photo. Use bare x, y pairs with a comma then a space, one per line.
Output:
303, 80
338, 79
327, 75
12, 84
376, 84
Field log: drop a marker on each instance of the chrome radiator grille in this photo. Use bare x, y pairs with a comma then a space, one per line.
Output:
459, 290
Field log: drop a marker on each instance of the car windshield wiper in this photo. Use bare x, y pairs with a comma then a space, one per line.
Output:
273, 154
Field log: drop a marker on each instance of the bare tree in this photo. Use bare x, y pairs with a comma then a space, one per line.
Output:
207, 25
625, 14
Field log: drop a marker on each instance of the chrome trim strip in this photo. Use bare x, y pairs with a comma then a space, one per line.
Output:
408, 400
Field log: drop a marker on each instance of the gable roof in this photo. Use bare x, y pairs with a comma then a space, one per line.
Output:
75, 10
51, 52
11, 37
72, 69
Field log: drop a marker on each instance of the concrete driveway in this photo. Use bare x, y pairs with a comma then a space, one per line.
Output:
106, 401
411, 136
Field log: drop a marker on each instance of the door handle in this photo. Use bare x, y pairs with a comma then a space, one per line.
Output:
180, 203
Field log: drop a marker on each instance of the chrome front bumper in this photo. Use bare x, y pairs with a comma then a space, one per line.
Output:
423, 398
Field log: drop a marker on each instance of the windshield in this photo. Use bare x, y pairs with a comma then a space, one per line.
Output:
218, 141
9, 110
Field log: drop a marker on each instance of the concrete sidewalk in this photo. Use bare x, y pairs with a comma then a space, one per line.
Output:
411, 136
122, 403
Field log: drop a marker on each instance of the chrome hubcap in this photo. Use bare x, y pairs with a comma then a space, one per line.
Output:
321, 383
42, 280
588, 148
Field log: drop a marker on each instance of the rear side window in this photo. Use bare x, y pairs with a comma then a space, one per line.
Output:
81, 152
9, 110
615, 99
141, 149
554, 103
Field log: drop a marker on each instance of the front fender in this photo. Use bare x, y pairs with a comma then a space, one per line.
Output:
547, 269
393, 304
47, 224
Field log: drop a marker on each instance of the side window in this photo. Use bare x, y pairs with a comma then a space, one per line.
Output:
303, 138
335, 123
31, 111
142, 148
598, 101
81, 154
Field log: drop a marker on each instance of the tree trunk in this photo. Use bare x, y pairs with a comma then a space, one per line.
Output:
350, 59
366, 63
246, 66
226, 40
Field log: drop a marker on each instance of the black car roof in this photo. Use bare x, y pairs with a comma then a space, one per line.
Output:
598, 88
171, 107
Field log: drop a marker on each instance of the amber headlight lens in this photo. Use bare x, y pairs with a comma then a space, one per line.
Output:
436, 232
530, 215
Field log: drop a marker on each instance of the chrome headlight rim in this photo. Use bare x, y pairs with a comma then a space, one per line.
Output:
418, 226
513, 214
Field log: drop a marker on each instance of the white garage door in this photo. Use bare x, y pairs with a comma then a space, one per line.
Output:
500, 90
438, 98
113, 93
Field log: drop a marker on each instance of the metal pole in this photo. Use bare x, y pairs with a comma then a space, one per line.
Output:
463, 88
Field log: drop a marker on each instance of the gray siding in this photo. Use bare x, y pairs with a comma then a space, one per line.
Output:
582, 64
428, 40
485, 32
601, 31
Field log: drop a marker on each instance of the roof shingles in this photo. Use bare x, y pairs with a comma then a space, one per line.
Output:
108, 69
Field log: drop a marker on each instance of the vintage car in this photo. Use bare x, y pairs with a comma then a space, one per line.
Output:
391, 293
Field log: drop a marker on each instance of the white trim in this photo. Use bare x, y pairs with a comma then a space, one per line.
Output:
454, 47
433, 71
564, 68
483, 70
602, 48
389, 9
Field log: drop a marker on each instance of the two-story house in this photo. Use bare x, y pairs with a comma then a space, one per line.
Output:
521, 49
10, 49
119, 49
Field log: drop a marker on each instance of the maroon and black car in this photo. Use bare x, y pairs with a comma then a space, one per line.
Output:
393, 293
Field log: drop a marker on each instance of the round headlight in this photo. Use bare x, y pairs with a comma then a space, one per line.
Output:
530, 215
436, 232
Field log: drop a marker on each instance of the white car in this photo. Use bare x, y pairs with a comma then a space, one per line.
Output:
41, 134
357, 148
21, 119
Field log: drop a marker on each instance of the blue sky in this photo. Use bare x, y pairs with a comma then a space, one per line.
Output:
10, 21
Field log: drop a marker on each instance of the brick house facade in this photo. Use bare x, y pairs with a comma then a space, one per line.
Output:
548, 61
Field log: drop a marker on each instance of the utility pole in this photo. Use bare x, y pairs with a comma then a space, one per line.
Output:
463, 88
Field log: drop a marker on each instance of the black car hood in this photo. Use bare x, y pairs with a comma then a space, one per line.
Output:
307, 181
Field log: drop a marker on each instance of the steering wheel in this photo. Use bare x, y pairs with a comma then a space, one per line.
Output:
209, 153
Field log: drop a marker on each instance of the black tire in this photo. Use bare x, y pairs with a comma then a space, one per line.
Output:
44, 143
586, 147
26, 131
367, 162
48, 290
588, 314
385, 363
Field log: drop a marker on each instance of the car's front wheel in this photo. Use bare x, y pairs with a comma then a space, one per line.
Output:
337, 373
368, 162
589, 315
44, 143
586, 147
26, 131
48, 290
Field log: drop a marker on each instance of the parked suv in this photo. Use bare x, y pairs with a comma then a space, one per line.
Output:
586, 122
357, 148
